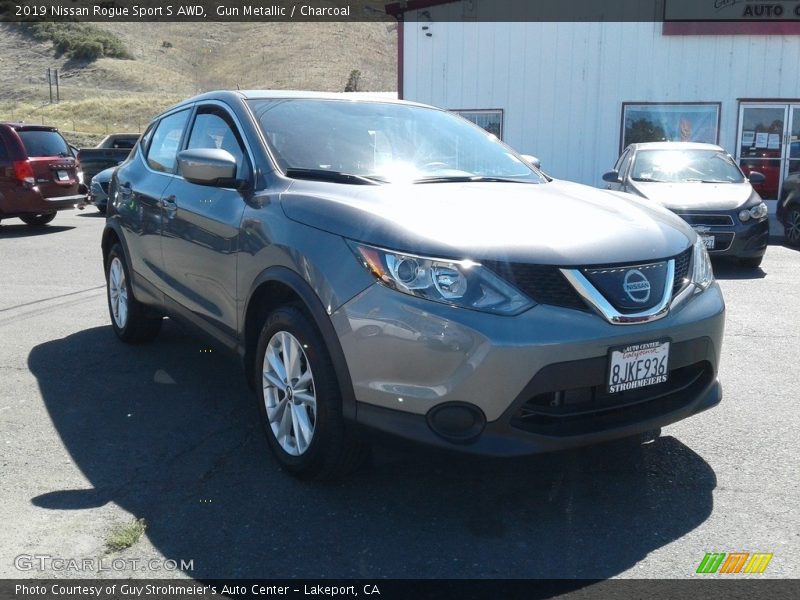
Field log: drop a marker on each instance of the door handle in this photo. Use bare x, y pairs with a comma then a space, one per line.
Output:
170, 206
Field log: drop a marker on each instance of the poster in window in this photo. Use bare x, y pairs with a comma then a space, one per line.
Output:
489, 119
669, 122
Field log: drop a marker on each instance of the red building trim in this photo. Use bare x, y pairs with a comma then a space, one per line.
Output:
731, 28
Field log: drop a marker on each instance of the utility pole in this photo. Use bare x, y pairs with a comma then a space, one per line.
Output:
58, 95
50, 84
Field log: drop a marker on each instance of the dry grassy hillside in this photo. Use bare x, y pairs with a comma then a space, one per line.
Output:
175, 60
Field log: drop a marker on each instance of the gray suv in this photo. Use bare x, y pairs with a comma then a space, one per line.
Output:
388, 265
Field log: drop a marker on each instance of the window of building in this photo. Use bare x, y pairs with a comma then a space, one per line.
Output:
669, 122
489, 119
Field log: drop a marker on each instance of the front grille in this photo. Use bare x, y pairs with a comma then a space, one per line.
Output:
546, 285
708, 220
589, 409
681, 278
543, 283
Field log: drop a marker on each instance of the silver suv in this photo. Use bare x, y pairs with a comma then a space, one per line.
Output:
389, 265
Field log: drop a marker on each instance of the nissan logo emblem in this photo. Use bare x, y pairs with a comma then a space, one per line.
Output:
636, 286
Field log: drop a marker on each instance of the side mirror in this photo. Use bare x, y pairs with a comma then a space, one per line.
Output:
612, 176
208, 166
532, 160
756, 177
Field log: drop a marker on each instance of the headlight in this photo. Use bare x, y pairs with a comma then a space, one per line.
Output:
702, 273
759, 211
458, 283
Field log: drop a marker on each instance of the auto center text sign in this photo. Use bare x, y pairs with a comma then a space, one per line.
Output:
731, 10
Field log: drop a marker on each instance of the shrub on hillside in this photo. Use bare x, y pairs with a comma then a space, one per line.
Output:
81, 41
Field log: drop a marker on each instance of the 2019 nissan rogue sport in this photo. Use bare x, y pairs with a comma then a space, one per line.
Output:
390, 265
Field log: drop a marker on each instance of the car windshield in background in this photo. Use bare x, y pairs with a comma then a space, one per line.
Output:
383, 142
675, 166
44, 143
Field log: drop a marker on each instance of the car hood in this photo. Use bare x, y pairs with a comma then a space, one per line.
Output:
696, 196
558, 223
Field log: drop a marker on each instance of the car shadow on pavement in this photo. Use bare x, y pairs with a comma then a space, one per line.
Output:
728, 268
22, 230
169, 431
94, 214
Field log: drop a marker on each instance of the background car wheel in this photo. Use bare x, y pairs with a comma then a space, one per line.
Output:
132, 321
751, 263
791, 228
300, 401
38, 220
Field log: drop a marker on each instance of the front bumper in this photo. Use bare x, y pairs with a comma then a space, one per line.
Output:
408, 356
735, 239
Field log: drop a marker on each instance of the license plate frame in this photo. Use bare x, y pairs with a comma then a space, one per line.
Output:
640, 352
62, 175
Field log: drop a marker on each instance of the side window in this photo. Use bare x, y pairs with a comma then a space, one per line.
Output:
144, 141
213, 128
163, 151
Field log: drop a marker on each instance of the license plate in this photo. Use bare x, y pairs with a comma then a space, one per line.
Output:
638, 365
62, 175
709, 241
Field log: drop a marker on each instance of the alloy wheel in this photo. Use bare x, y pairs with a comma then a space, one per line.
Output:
118, 292
289, 393
793, 227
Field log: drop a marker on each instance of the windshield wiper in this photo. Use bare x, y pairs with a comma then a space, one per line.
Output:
334, 176
706, 181
648, 180
468, 179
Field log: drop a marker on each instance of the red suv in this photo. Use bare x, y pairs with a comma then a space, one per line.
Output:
39, 174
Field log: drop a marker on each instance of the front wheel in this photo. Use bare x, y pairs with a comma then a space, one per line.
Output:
300, 401
791, 228
38, 220
132, 321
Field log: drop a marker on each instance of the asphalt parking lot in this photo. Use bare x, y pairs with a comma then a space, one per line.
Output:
95, 433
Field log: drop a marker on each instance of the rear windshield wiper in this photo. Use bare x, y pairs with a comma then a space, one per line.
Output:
469, 179
334, 176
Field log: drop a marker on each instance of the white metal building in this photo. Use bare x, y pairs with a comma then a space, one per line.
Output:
573, 93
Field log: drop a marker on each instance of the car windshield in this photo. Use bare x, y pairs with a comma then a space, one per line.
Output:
39, 142
383, 142
675, 166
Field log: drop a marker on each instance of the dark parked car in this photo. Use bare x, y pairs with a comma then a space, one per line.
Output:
390, 265
702, 184
788, 209
98, 189
39, 174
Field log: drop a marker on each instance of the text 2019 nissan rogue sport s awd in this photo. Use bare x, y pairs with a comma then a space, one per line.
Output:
390, 265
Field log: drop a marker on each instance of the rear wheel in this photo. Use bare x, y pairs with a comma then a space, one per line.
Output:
300, 401
38, 220
751, 263
791, 228
132, 321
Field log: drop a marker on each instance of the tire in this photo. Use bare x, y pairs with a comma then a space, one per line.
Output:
751, 263
102, 209
791, 227
299, 399
38, 220
131, 320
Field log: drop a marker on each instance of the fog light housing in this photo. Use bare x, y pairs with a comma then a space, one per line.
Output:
457, 422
